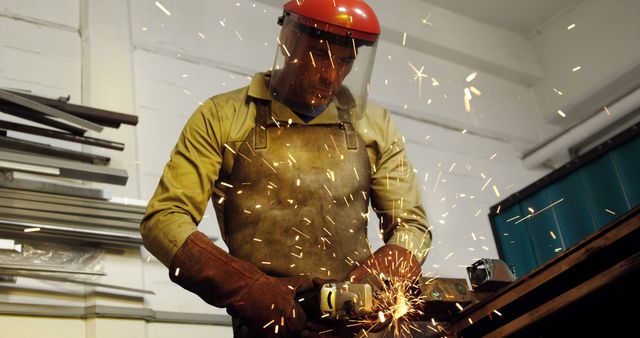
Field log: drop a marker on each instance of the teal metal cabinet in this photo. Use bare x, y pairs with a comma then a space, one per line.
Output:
544, 219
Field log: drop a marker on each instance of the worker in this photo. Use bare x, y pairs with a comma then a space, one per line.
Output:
291, 164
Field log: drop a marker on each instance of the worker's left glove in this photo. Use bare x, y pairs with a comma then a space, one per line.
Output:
267, 305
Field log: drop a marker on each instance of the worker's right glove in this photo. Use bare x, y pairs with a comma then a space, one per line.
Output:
389, 262
261, 301
387, 269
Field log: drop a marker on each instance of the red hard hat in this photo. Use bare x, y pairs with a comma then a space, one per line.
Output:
350, 18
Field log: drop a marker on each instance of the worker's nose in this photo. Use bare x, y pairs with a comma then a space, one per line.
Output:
329, 76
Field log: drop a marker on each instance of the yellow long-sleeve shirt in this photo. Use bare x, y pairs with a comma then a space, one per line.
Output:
204, 155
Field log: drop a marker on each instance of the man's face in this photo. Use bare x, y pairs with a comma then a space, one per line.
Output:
314, 68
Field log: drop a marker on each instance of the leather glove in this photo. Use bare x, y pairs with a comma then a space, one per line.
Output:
261, 301
391, 265
389, 262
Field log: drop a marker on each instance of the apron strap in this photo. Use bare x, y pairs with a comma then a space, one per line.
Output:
349, 131
263, 112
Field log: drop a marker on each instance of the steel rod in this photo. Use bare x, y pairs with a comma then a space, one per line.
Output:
33, 268
23, 128
75, 281
27, 114
37, 106
35, 148
89, 113
80, 171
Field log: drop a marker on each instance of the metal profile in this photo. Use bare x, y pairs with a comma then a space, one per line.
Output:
103, 311
39, 107
71, 200
68, 169
45, 268
15, 185
29, 168
28, 114
59, 217
23, 128
36, 148
75, 281
100, 116
66, 209
72, 234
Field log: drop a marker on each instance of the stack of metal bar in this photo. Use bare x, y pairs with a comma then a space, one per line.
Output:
68, 218
61, 208
64, 121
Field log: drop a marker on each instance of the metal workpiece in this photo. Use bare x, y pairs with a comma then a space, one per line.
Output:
74, 281
489, 274
44, 109
64, 207
76, 219
100, 116
61, 217
9, 181
102, 311
74, 200
71, 234
4, 279
34, 116
35, 148
10, 245
69, 207
68, 169
23, 128
45, 268
11, 167
444, 297
68, 218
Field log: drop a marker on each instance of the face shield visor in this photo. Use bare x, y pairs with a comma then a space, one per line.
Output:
314, 68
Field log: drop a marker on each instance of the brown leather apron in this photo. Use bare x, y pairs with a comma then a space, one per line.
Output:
299, 199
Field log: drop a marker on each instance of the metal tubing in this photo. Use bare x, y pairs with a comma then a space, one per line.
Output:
13, 144
27, 114
69, 233
96, 115
23, 128
17, 99
75, 281
45, 268
65, 209
81, 201
53, 190
12, 212
80, 171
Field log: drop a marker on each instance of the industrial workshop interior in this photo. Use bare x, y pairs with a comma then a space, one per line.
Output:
193, 168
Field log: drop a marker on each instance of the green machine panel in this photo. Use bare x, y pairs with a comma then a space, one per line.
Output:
626, 159
554, 213
603, 190
514, 241
570, 207
542, 227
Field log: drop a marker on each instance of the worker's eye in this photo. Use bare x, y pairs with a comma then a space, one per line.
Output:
347, 61
320, 53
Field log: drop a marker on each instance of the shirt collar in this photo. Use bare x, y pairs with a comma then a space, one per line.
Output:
259, 89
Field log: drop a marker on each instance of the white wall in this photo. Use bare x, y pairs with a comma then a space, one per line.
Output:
604, 43
129, 56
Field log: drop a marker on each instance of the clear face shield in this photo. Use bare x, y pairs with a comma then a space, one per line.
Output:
314, 68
